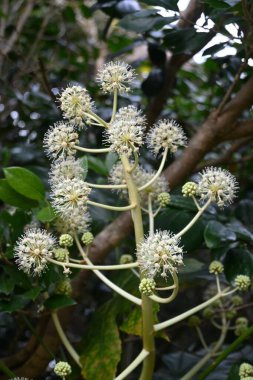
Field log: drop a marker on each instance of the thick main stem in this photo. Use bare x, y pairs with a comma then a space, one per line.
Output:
147, 309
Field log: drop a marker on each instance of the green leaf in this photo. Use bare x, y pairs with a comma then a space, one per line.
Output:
97, 165
102, 347
111, 159
133, 322
33, 293
59, 301
6, 284
216, 234
46, 214
17, 302
238, 261
25, 182
11, 197
191, 266
167, 4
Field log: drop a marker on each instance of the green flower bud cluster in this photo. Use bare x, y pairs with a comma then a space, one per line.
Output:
126, 259
242, 282
241, 325
230, 314
62, 369
194, 321
147, 286
208, 312
189, 189
164, 199
246, 371
87, 238
64, 287
66, 240
216, 267
61, 254
237, 300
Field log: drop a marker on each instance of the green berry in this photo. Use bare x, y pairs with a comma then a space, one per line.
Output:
163, 199
87, 238
216, 267
245, 370
61, 254
66, 240
62, 369
147, 286
189, 189
126, 259
64, 287
237, 300
194, 321
242, 282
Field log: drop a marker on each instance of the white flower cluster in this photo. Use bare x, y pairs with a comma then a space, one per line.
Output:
218, 184
115, 76
65, 169
166, 134
32, 250
76, 221
75, 103
70, 195
125, 133
60, 139
160, 253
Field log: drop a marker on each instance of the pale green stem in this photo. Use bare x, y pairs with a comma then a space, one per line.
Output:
188, 313
159, 171
115, 104
136, 159
166, 288
88, 150
137, 361
105, 280
151, 216
190, 374
113, 208
196, 202
96, 186
196, 217
94, 116
218, 283
201, 338
157, 211
64, 339
93, 267
173, 294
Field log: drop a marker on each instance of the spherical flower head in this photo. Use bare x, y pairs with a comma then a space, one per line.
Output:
75, 222
164, 199
33, 249
75, 103
87, 238
70, 195
68, 168
147, 286
115, 76
237, 300
160, 253
66, 240
126, 259
242, 321
61, 254
194, 321
242, 282
166, 134
64, 287
208, 312
245, 370
230, 314
217, 184
59, 140
189, 189
216, 267
125, 133
62, 369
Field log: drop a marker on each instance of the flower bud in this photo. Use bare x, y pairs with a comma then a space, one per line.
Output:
216, 267
189, 189
61, 254
163, 199
242, 321
66, 240
208, 312
126, 259
147, 286
64, 287
194, 321
230, 314
62, 369
245, 370
87, 238
242, 282
237, 300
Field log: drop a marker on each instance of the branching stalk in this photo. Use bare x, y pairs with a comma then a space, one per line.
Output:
97, 186
143, 354
89, 150
113, 208
93, 267
159, 171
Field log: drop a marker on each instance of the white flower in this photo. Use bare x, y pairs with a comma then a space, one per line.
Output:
125, 133
218, 184
75, 103
65, 169
32, 250
159, 253
60, 139
166, 134
76, 221
70, 195
115, 76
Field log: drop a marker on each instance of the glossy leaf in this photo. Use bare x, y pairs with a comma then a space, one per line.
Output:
46, 214
216, 234
238, 261
13, 198
59, 301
